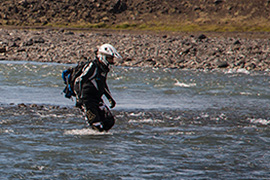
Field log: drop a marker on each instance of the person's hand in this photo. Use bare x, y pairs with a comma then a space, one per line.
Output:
112, 102
79, 103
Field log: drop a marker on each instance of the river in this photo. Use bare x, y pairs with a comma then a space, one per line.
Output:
171, 124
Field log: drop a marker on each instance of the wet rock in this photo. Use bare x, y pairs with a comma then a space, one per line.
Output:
22, 105
33, 105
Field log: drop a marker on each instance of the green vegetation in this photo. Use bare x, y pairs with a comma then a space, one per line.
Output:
174, 27
235, 25
252, 26
80, 25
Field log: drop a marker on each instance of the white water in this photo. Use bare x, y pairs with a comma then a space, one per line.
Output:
170, 124
140, 88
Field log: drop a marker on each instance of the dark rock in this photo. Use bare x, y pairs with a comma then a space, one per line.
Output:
61, 30
21, 105
201, 37
30, 42
197, 8
3, 50
218, 2
237, 42
69, 33
33, 105
119, 7
240, 63
250, 66
14, 44
17, 39
38, 40
222, 64
128, 59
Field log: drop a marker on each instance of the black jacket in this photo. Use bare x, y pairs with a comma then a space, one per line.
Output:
91, 85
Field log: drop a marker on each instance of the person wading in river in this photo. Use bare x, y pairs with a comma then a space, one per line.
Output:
90, 86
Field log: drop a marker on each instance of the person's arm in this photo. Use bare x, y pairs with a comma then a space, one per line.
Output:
109, 96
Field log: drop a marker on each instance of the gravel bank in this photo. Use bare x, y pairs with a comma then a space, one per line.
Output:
184, 51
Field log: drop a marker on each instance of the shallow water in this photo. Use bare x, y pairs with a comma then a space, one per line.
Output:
171, 124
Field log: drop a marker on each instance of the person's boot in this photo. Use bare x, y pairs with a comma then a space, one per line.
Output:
98, 126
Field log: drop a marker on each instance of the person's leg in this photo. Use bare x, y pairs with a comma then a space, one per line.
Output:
106, 117
94, 118
92, 115
91, 108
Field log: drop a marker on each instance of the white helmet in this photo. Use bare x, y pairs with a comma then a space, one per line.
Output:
107, 50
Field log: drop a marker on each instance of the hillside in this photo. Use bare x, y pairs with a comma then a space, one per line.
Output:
176, 15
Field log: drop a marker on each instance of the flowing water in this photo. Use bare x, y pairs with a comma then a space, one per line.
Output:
171, 124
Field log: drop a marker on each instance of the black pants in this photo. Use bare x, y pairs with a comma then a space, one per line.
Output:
97, 113
95, 110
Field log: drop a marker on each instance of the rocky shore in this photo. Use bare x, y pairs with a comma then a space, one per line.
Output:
169, 50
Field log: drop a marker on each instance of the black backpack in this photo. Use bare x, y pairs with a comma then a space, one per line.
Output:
69, 77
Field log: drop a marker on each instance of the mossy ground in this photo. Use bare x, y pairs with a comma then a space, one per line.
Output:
247, 26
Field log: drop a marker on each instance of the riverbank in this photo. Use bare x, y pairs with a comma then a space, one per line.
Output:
140, 48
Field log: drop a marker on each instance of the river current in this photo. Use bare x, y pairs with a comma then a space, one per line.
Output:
170, 124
